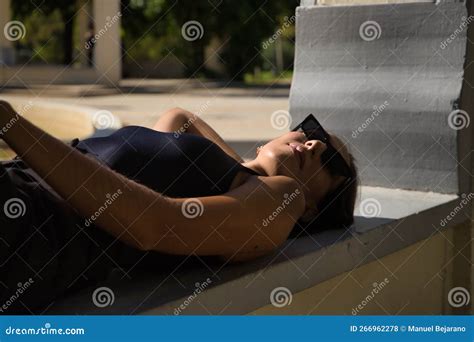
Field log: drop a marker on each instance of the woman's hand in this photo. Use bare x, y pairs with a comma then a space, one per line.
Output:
85, 183
8, 117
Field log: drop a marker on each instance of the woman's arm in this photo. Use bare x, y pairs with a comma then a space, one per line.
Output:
81, 180
228, 224
179, 121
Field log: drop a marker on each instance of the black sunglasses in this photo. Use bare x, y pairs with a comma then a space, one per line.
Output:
331, 157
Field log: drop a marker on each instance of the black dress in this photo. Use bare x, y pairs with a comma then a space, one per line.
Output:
48, 251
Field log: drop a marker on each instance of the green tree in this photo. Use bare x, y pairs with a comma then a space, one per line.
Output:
66, 8
246, 24
151, 28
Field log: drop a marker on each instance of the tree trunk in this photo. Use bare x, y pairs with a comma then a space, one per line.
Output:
68, 19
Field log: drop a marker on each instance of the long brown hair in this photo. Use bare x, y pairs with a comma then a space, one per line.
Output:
336, 210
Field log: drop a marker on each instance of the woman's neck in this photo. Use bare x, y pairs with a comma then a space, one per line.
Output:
255, 166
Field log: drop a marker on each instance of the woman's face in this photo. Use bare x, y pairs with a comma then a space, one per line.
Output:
293, 155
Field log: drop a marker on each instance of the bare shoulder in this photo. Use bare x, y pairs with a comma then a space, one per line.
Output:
279, 186
273, 206
279, 193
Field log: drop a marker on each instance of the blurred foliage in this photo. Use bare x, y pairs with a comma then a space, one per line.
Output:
151, 30
147, 32
43, 39
246, 25
267, 77
42, 18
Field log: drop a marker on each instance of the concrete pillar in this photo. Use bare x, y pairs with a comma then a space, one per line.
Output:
107, 51
211, 56
6, 47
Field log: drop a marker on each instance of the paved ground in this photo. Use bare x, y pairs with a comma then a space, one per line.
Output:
238, 113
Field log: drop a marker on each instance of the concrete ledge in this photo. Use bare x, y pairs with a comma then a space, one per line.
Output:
302, 263
62, 90
14, 76
415, 280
